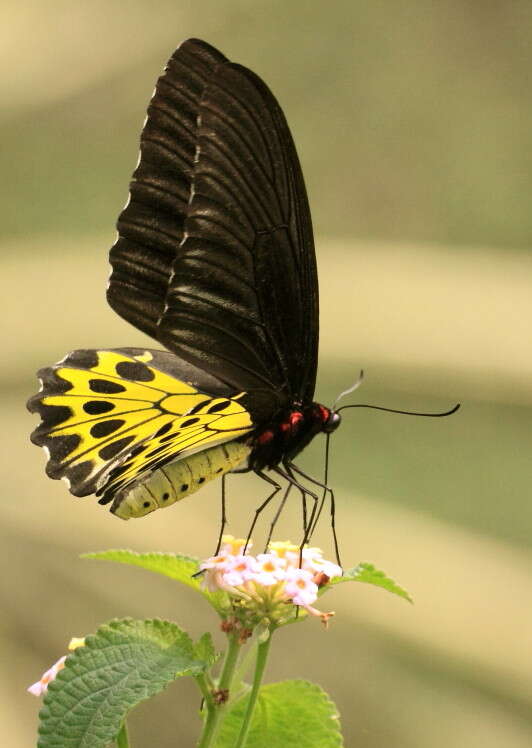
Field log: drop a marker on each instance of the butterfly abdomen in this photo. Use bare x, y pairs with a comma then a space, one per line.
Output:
178, 479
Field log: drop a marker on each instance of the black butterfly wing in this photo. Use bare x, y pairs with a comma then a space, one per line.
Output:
150, 228
215, 255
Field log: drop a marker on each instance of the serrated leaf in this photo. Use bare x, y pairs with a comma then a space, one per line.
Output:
173, 565
293, 712
367, 573
204, 649
124, 663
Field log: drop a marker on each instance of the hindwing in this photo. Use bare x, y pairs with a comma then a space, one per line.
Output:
109, 417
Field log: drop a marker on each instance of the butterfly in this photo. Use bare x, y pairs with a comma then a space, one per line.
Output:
214, 260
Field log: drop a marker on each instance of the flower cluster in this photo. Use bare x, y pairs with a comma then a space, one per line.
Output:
266, 583
39, 688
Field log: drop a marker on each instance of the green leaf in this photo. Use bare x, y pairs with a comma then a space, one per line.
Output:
293, 712
367, 573
124, 663
173, 565
204, 650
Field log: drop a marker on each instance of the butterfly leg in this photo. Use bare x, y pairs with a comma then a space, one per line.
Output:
288, 475
277, 515
223, 518
314, 519
264, 504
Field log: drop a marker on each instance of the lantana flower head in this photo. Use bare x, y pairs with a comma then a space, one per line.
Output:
263, 587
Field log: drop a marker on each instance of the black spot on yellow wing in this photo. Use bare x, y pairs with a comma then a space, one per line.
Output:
156, 451
219, 406
164, 429
197, 407
105, 387
135, 371
81, 359
168, 438
97, 407
104, 428
189, 422
114, 448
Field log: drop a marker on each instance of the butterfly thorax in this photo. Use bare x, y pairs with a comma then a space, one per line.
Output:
288, 435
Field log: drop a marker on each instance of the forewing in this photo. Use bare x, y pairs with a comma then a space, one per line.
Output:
123, 410
150, 228
241, 298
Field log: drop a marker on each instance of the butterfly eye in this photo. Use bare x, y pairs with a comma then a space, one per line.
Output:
332, 423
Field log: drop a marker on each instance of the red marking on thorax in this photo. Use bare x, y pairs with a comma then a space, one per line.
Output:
325, 413
292, 422
265, 437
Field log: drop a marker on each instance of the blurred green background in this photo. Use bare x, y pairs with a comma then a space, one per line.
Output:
414, 126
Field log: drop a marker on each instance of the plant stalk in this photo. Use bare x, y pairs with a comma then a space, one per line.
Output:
215, 711
260, 665
122, 739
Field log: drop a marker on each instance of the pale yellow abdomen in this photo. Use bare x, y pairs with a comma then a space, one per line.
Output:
178, 479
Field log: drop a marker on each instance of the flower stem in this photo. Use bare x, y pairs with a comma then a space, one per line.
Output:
215, 711
262, 656
122, 740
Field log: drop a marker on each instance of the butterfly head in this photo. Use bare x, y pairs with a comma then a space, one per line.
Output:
329, 419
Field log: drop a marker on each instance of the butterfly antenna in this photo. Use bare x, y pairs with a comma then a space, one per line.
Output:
351, 389
403, 412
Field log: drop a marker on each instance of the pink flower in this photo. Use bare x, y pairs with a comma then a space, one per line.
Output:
270, 569
262, 586
313, 561
40, 687
299, 586
242, 570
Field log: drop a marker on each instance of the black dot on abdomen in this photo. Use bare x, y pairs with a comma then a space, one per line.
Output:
97, 407
105, 387
135, 371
